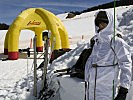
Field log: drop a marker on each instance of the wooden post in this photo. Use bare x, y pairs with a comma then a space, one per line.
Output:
35, 69
46, 45
45, 62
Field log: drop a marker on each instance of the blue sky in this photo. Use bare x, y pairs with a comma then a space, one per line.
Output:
10, 9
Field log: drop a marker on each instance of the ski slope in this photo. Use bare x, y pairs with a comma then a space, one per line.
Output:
17, 76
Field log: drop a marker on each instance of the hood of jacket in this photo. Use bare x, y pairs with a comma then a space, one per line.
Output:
107, 33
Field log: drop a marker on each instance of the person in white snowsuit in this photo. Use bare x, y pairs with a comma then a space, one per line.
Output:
110, 64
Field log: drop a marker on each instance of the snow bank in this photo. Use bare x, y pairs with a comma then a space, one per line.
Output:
69, 58
126, 26
64, 87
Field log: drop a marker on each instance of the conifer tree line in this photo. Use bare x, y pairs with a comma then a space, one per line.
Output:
106, 6
4, 26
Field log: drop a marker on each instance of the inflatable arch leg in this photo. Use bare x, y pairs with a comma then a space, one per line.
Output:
64, 39
13, 40
58, 40
39, 42
6, 44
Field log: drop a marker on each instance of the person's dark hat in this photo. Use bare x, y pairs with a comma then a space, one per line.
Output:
101, 17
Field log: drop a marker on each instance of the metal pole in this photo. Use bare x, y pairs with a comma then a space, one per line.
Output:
35, 70
27, 75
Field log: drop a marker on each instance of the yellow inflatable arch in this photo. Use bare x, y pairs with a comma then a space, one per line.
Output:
37, 20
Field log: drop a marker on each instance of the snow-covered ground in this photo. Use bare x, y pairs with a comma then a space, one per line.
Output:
16, 77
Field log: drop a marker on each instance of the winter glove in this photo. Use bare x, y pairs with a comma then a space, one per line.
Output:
122, 94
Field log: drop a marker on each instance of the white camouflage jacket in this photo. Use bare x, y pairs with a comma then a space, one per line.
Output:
113, 59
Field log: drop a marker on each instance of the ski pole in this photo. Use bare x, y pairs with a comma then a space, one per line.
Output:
114, 45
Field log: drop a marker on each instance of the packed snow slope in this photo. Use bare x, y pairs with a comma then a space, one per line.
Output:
16, 77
